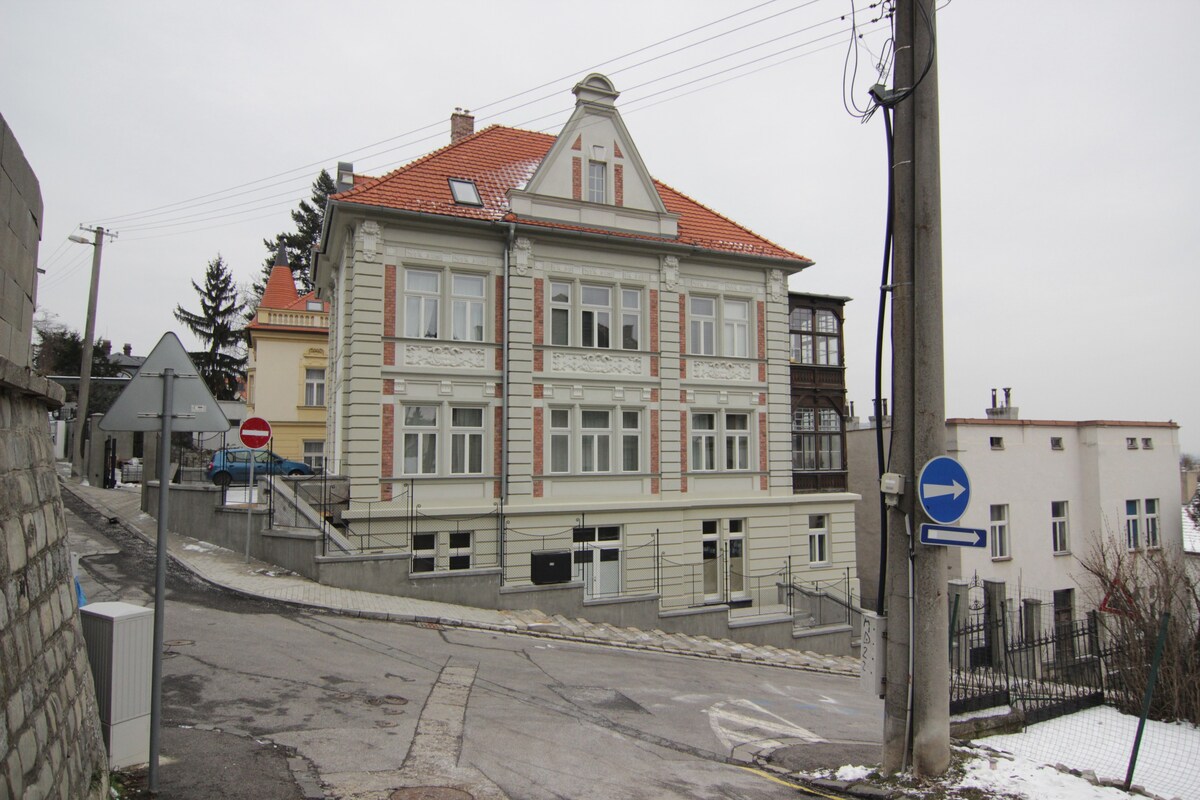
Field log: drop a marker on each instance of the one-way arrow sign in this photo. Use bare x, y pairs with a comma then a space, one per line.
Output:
950, 535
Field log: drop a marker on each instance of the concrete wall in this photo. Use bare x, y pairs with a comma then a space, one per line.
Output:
50, 740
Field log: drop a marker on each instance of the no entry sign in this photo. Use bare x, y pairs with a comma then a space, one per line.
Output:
255, 432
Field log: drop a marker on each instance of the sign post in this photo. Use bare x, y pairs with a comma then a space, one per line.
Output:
255, 432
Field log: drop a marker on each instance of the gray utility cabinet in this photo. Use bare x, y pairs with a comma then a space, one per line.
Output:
120, 647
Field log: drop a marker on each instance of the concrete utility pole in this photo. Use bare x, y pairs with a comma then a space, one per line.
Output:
917, 634
85, 363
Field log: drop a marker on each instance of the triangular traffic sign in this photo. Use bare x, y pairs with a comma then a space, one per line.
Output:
1118, 600
139, 407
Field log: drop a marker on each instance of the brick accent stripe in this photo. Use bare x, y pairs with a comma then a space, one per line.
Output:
389, 354
619, 184
387, 440
389, 300
577, 178
538, 439
654, 320
539, 311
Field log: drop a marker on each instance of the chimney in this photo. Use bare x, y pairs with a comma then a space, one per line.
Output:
345, 176
462, 124
127, 349
1006, 411
106, 346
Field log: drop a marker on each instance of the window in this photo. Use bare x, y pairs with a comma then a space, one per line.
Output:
314, 455
737, 441
466, 441
596, 316
631, 441
736, 548
422, 299
466, 310
1147, 444
597, 182
1132, 524
314, 387
314, 305
420, 440
631, 318
1058, 527
702, 326
594, 444
605, 440
1131, 442
424, 552
560, 440
465, 192
709, 566
460, 550
815, 336
999, 531
735, 340
597, 559
817, 439
996, 442
1056, 443
704, 442
1152, 522
423, 302
582, 315
818, 539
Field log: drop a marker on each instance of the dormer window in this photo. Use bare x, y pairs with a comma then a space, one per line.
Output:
314, 305
597, 181
465, 193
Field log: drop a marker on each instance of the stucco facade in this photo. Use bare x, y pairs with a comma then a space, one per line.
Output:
584, 353
286, 368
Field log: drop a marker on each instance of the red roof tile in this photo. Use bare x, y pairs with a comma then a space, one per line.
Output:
280, 291
498, 159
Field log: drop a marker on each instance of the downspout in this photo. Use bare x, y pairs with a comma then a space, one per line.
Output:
504, 355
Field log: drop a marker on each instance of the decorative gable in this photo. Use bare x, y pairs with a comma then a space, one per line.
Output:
593, 175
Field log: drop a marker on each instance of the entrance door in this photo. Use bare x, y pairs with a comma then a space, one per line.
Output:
597, 560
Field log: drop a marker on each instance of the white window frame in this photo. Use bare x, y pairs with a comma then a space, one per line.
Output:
631, 440
595, 441
578, 320
735, 539
314, 387
423, 557
998, 531
595, 544
466, 441
710, 551
560, 440
1152, 523
578, 446
459, 551
468, 309
702, 325
1060, 533
314, 457
703, 449
422, 436
737, 441
1133, 514
422, 306
597, 188
818, 539
735, 328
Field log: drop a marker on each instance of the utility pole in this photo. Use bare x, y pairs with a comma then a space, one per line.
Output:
917, 702
85, 364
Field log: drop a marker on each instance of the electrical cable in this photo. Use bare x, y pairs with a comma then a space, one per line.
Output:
883, 294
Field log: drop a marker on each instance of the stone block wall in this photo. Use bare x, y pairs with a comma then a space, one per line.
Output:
50, 739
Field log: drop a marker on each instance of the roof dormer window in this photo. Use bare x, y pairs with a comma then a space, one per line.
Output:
465, 193
314, 305
597, 182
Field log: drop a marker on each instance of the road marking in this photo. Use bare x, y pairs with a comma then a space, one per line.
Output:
743, 722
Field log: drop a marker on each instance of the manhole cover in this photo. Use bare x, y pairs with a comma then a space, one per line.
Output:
431, 793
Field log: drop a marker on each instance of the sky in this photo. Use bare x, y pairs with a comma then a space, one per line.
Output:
1069, 166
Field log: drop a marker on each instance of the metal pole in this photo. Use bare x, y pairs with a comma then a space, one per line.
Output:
1137, 742
85, 361
160, 570
249, 504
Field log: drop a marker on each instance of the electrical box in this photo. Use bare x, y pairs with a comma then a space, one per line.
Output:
874, 654
120, 647
550, 566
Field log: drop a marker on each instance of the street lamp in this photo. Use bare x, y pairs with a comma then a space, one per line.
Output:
85, 363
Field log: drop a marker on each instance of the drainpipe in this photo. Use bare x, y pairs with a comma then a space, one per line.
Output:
504, 354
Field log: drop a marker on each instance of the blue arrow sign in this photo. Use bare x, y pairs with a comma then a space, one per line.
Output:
949, 535
944, 489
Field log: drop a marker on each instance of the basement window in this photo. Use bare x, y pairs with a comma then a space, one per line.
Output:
465, 193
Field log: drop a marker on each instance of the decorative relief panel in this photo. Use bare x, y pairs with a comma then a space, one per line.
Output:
670, 268
521, 251
598, 364
368, 238
776, 283
441, 257
720, 370
444, 356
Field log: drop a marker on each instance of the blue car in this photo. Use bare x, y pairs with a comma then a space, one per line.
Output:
232, 465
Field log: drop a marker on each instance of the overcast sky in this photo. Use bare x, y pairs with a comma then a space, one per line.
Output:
1070, 163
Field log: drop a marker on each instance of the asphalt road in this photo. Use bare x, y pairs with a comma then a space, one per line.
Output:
259, 699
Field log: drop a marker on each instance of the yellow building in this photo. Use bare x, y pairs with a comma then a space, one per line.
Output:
285, 375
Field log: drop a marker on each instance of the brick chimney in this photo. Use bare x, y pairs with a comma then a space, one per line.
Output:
462, 124
127, 349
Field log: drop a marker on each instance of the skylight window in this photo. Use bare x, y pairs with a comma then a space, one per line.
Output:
465, 192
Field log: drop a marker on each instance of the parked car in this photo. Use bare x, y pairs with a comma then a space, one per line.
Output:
232, 465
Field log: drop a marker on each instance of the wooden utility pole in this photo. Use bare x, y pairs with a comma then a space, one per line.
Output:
917, 703
78, 464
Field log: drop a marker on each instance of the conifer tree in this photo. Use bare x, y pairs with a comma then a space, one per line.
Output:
218, 327
297, 244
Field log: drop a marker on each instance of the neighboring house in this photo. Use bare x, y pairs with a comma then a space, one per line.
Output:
818, 392
532, 327
285, 373
1191, 540
1047, 492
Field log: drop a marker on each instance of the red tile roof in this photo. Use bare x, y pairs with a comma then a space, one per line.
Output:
280, 293
498, 159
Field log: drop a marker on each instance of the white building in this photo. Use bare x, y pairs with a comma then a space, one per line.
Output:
531, 328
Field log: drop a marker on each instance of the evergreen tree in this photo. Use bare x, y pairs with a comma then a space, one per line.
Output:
297, 244
59, 351
217, 327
